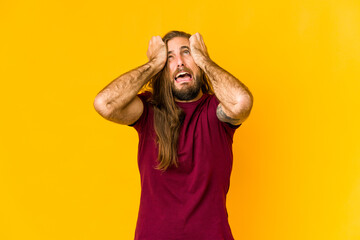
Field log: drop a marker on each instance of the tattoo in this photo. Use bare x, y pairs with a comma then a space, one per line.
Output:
225, 118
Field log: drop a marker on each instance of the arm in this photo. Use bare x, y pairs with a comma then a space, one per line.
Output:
235, 98
118, 102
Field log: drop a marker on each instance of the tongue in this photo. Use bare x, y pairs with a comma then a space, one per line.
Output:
185, 78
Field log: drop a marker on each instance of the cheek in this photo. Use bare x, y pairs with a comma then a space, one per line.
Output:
191, 60
192, 64
169, 73
171, 70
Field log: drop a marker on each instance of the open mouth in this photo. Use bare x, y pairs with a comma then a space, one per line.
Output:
183, 77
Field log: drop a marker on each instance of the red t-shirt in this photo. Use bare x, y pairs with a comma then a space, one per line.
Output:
188, 202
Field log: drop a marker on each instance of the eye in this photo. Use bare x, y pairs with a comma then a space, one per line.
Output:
170, 57
186, 52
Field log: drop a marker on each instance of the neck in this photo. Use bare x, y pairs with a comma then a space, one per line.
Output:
192, 100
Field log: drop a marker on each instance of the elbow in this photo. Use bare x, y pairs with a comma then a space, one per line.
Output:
248, 101
244, 106
102, 106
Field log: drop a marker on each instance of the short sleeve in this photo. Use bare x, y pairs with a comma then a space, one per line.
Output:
228, 126
139, 124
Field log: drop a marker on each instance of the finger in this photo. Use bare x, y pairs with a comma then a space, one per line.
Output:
198, 36
153, 39
202, 41
191, 39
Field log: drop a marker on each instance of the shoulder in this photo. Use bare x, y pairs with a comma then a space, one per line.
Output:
215, 106
145, 98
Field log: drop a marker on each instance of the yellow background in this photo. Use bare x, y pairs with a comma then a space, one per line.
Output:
66, 173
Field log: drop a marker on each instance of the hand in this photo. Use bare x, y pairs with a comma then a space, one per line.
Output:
198, 49
157, 52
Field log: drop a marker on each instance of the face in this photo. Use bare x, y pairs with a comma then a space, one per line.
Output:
183, 72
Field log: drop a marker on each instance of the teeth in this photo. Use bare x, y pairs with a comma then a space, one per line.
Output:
182, 73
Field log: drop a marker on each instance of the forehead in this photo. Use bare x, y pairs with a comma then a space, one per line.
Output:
177, 42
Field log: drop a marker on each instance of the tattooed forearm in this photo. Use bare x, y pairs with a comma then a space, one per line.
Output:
235, 98
225, 118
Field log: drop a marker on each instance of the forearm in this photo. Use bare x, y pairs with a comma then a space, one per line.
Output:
234, 96
121, 91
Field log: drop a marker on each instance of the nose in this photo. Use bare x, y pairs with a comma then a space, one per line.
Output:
180, 62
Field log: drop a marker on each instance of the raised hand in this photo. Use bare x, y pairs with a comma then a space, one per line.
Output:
198, 49
157, 52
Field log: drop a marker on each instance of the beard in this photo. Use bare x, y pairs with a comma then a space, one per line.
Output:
187, 93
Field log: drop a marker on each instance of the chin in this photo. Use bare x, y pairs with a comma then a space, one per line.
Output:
186, 93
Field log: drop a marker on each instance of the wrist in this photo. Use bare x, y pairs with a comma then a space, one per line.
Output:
156, 65
204, 61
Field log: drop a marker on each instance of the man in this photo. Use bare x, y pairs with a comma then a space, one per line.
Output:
185, 136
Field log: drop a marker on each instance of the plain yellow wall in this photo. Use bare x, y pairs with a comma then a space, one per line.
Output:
66, 173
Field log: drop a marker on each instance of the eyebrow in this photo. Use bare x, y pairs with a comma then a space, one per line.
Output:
182, 47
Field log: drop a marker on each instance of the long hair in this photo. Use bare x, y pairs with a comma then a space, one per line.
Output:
168, 117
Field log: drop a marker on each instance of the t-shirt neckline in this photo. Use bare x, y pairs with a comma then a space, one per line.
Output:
189, 104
